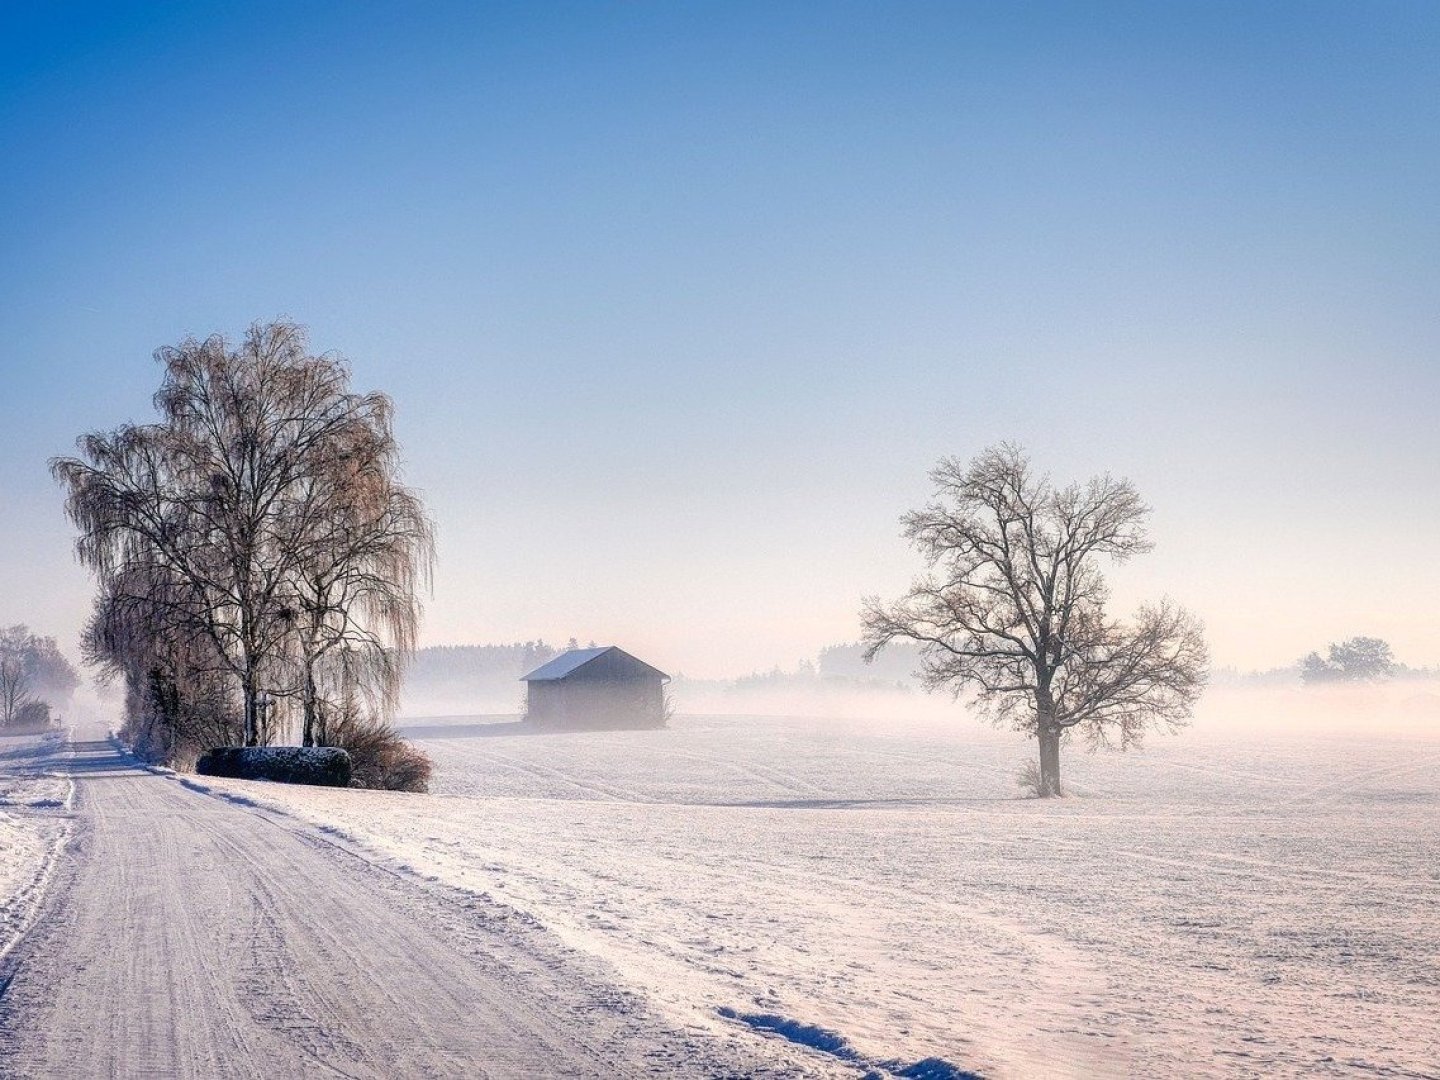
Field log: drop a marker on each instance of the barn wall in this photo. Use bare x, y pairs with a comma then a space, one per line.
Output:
597, 702
545, 702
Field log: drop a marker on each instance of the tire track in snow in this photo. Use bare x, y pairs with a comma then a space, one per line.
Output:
1258, 869
546, 772
1336, 790
766, 774
1008, 771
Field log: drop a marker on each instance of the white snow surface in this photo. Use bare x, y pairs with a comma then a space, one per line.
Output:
1217, 904
188, 936
34, 825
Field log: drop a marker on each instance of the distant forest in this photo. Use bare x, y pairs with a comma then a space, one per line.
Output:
488, 675
896, 663
442, 664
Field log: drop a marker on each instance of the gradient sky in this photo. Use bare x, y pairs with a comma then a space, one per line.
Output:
679, 302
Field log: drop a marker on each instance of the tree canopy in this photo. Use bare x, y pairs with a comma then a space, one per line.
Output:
1356, 659
255, 541
1013, 607
33, 671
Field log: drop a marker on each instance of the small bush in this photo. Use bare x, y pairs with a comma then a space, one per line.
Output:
1028, 778
380, 758
32, 716
326, 766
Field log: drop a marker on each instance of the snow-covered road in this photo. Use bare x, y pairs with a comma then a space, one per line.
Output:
190, 936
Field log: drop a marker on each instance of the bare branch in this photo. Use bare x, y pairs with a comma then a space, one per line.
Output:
1014, 606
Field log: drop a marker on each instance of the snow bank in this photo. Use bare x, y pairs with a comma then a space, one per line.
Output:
26, 847
34, 826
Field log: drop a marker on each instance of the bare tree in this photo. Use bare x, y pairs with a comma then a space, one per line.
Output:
31, 668
16, 680
215, 516
1356, 659
366, 549
1013, 607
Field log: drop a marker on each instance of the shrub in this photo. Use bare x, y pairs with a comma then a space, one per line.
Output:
33, 716
172, 721
380, 758
1028, 779
327, 766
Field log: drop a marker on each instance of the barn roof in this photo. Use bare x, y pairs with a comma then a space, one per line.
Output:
568, 662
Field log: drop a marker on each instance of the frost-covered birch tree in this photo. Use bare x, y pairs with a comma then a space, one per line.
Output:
259, 521
365, 549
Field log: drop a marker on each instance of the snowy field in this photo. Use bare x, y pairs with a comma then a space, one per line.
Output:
34, 823
1226, 902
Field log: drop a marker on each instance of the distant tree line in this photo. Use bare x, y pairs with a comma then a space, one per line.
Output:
477, 676
439, 665
259, 560
900, 663
1357, 659
35, 677
490, 673
836, 668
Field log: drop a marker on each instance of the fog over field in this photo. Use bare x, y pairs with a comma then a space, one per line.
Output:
840, 685
888, 541
1251, 895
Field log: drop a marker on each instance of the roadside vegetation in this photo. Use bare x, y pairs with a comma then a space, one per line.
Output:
35, 680
260, 562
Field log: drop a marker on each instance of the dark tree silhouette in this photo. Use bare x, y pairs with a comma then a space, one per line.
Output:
1014, 608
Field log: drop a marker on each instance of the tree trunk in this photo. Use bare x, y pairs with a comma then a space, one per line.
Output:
307, 736
252, 726
1049, 736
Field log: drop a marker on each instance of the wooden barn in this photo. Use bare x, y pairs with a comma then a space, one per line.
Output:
592, 689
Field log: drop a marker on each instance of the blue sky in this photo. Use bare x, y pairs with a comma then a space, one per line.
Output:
679, 302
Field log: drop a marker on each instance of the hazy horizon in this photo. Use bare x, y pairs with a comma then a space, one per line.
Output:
679, 305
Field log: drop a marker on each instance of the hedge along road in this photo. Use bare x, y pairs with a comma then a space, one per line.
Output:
185, 936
